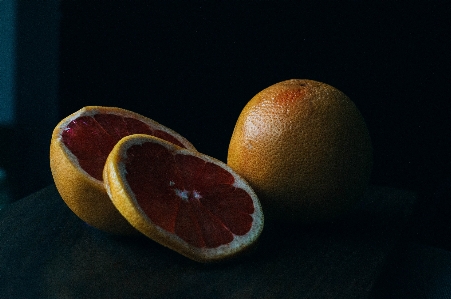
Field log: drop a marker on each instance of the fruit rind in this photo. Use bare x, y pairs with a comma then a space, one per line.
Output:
123, 198
276, 143
83, 194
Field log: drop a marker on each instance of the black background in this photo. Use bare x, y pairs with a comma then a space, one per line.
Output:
192, 66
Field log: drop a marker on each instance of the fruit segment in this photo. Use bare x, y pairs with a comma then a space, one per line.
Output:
91, 138
187, 196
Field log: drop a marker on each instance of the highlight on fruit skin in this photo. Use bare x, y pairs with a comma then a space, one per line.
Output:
79, 147
304, 148
187, 201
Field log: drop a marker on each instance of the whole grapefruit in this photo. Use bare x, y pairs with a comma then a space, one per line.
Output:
304, 148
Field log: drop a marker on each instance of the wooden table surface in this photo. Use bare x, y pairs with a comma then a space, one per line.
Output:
47, 252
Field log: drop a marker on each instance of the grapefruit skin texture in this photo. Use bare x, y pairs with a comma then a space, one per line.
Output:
304, 148
125, 201
83, 194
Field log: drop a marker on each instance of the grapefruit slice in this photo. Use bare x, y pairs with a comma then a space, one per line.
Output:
187, 201
79, 147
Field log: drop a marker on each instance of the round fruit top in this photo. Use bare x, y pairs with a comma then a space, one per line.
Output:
304, 148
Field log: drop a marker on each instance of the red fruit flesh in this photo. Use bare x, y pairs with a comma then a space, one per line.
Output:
188, 196
91, 138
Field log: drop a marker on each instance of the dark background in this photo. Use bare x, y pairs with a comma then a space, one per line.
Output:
192, 66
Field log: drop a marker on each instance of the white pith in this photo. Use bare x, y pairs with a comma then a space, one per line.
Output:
70, 156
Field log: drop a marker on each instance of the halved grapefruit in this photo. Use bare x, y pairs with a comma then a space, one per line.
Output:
79, 147
185, 200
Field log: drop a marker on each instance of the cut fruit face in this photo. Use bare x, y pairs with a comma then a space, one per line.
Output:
187, 201
79, 148
91, 137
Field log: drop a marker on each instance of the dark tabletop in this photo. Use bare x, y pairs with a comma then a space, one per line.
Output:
47, 252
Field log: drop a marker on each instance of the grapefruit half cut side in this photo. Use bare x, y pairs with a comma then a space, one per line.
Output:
79, 147
187, 201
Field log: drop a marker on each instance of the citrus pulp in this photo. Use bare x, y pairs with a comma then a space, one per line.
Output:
187, 201
79, 147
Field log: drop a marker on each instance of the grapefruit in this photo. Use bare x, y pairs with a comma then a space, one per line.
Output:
182, 199
79, 147
304, 148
